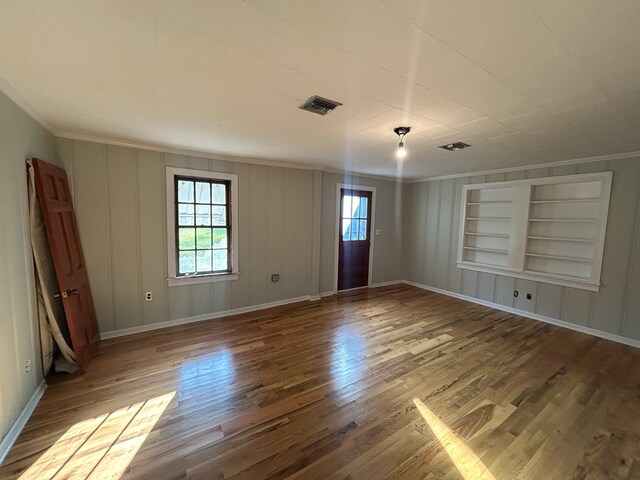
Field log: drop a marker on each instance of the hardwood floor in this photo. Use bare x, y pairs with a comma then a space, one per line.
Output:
394, 382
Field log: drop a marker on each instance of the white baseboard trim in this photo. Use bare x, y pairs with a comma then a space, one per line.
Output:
326, 294
386, 284
534, 316
14, 432
199, 318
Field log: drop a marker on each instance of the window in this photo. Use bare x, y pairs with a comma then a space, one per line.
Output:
354, 217
201, 226
546, 229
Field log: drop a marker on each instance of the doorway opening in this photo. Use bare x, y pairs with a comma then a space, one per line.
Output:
355, 218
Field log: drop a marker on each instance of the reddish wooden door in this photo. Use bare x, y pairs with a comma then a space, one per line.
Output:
60, 221
354, 240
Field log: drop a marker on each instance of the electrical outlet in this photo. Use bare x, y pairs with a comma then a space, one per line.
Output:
529, 296
516, 293
377, 232
148, 296
275, 277
27, 366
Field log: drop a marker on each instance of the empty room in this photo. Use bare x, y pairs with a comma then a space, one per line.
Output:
320, 239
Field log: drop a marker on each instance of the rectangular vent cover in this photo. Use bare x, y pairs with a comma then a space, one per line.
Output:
319, 105
452, 147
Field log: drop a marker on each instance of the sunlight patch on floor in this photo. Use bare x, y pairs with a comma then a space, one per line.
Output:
100, 447
465, 460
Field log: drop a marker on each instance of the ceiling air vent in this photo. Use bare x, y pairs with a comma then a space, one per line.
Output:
319, 105
452, 147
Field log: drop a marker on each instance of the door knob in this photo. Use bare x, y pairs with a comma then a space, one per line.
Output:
70, 292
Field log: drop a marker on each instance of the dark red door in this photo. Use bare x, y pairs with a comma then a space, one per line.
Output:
60, 222
354, 239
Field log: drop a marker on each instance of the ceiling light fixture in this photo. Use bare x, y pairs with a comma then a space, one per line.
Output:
401, 132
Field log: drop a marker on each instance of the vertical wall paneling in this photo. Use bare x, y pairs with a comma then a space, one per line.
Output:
445, 214
275, 231
290, 245
433, 216
153, 255
420, 226
609, 303
241, 288
259, 199
90, 177
124, 223
304, 233
178, 298
455, 274
631, 315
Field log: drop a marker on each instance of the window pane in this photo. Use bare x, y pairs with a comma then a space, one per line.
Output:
220, 239
203, 239
220, 260
203, 215
186, 238
363, 207
218, 193
185, 214
185, 191
203, 192
346, 206
204, 261
354, 229
187, 262
363, 230
346, 233
218, 215
355, 207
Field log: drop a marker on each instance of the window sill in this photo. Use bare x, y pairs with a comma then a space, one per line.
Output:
195, 279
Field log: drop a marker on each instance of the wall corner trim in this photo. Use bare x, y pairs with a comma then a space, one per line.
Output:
15, 430
533, 316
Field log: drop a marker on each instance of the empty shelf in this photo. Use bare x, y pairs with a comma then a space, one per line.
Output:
479, 234
491, 250
561, 239
490, 203
560, 257
567, 200
499, 219
565, 220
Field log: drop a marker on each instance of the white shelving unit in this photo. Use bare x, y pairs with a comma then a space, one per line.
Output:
546, 229
486, 237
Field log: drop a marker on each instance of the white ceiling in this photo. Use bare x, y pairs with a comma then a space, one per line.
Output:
522, 81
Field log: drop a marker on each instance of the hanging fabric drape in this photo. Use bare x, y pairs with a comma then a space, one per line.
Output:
52, 320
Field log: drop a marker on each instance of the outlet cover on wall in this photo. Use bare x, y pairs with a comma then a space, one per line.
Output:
275, 277
148, 296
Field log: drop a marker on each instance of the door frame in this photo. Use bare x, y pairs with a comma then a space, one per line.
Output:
336, 233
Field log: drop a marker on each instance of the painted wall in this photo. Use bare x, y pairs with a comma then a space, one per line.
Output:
119, 197
431, 231
20, 137
387, 253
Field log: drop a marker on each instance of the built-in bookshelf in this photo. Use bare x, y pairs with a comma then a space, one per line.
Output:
488, 224
548, 229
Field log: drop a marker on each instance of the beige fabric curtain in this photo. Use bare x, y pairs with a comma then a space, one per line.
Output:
53, 323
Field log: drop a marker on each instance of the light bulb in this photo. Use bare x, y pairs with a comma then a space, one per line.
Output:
401, 152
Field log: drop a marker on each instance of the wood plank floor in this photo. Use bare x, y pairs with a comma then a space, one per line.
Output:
326, 390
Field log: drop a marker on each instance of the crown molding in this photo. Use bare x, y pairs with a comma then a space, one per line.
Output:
575, 161
186, 151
